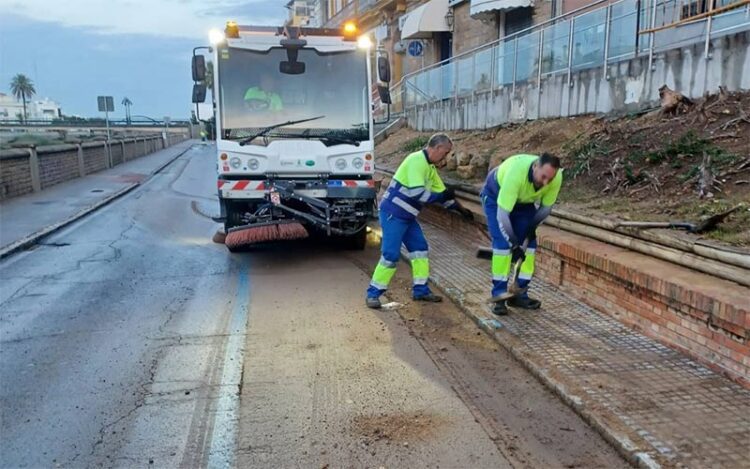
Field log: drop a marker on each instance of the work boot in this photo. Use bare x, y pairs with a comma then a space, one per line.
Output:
499, 309
429, 298
524, 303
373, 303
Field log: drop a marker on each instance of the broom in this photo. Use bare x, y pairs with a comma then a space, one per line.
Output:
280, 230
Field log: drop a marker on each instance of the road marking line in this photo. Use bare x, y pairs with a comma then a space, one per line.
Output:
226, 415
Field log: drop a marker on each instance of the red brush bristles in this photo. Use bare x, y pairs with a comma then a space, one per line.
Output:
265, 233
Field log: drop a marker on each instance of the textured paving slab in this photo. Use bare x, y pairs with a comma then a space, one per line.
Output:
656, 405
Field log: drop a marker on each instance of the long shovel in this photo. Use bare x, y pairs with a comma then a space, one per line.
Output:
513, 288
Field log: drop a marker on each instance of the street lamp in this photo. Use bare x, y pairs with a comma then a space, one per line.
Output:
450, 19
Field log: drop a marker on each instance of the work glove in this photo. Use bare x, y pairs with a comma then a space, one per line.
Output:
465, 213
449, 194
517, 252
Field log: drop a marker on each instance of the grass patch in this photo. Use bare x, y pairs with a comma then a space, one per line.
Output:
415, 144
581, 154
689, 145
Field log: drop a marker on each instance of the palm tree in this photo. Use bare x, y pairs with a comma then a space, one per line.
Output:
127, 103
22, 88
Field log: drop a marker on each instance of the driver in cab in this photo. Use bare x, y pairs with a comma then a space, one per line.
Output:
263, 98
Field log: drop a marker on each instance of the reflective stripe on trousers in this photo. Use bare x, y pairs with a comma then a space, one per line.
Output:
396, 232
520, 219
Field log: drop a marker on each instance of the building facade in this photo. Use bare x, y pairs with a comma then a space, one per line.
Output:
419, 33
39, 109
304, 13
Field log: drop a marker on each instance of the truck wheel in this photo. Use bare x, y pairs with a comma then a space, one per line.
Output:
234, 218
358, 241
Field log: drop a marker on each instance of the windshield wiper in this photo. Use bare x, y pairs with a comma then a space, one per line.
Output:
264, 131
333, 137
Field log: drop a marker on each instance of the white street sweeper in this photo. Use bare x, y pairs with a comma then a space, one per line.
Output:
294, 132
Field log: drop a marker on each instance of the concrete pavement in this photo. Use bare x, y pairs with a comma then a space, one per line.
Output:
129, 339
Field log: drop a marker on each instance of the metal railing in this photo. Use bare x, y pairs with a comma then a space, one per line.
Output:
92, 123
575, 41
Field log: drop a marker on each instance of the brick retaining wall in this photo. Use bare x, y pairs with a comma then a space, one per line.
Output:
94, 157
60, 163
15, 174
57, 164
704, 317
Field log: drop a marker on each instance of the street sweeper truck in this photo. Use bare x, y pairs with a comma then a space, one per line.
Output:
294, 132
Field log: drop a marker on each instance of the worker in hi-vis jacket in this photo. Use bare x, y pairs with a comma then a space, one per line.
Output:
517, 196
415, 183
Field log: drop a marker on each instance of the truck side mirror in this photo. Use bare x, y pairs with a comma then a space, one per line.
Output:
199, 68
384, 69
385, 94
199, 92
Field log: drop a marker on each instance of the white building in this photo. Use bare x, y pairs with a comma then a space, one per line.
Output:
38, 109
45, 109
10, 109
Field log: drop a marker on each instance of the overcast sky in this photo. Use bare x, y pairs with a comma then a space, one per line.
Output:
75, 50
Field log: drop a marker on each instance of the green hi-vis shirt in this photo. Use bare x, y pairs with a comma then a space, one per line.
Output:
266, 100
517, 186
417, 171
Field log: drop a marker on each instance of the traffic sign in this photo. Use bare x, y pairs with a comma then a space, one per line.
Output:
106, 103
416, 48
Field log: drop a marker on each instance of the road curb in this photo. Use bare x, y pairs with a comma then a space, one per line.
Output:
626, 447
34, 238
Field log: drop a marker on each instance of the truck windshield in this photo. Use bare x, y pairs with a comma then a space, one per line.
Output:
254, 94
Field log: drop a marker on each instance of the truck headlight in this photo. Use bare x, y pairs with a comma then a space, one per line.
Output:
235, 162
253, 164
358, 163
341, 164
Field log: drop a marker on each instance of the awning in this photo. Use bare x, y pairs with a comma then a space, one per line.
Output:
487, 7
425, 20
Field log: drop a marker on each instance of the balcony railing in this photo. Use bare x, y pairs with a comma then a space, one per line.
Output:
569, 43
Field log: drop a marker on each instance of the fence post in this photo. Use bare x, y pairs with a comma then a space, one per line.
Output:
515, 61
493, 71
122, 145
473, 76
107, 154
81, 162
607, 30
455, 80
709, 25
570, 51
539, 65
36, 182
652, 36
145, 149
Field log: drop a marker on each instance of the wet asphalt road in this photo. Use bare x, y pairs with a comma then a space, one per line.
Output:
130, 339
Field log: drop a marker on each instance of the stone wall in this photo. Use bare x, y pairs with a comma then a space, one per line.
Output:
25, 170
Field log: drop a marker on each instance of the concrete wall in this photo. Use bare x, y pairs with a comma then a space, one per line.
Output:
626, 86
26, 170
